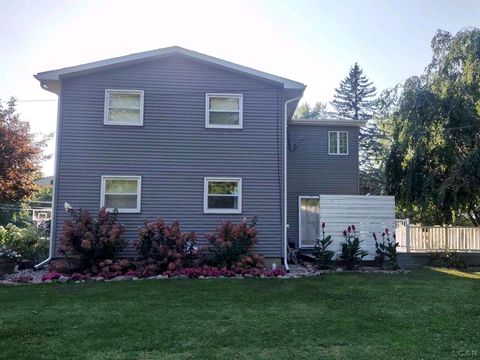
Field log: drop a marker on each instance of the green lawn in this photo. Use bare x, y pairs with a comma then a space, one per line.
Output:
421, 315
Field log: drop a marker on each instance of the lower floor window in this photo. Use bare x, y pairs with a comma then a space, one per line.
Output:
121, 193
222, 195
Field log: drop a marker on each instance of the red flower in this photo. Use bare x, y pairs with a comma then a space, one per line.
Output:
344, 232
386, 231
349, 229
323, 225
353, 227
374, 236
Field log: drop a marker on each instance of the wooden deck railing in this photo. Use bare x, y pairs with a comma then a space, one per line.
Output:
419, 238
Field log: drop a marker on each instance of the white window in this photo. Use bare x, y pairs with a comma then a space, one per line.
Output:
224, 111
338, 143
121, 193
123, 107
222, 195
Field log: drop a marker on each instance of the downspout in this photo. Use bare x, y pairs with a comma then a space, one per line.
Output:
55, 186
285, 150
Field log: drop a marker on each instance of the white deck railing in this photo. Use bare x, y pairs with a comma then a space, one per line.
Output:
419, 238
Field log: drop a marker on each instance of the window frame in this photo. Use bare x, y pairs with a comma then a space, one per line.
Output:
338, 143
207, 210
106, 121
223, 126
103, 192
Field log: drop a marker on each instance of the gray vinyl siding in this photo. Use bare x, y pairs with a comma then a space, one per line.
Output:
173, 151
312, 172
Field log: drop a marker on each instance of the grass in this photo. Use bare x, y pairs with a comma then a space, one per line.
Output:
422, 315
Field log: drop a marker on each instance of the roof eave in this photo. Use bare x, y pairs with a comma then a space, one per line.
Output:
56, 75
328, 122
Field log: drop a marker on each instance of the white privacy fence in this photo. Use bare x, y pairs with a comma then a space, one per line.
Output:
367, 213
419, 238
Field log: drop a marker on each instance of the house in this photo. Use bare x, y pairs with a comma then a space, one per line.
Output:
176, 134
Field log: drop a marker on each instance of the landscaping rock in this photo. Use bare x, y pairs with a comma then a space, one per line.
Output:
202, 277
248, 276
63, 279
339, 270
99, 278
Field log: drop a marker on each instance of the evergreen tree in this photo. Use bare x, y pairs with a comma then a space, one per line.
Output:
353, 100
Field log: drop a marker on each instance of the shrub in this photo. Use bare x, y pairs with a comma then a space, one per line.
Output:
165, 246
231, 246
448, 259
386, 250
86, 240
323, 256
29, 242
352, 254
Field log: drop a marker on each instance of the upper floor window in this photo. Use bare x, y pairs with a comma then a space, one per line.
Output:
338, 143
224, 111
121, 193
222, 195
123, 107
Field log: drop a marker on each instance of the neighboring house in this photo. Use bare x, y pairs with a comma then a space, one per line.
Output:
176, 134
45, 182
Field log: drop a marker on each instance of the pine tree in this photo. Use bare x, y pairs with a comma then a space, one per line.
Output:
354, 100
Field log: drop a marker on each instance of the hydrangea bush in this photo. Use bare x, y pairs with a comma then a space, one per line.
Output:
166, 246
231, 247
86, 240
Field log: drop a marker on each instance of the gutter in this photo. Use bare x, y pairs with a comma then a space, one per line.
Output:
285, 150
55, 186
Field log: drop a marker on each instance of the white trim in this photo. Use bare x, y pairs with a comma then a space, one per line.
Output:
338, 153
206, 210
226, 96
328, 122
51, 78
106, 121
300, 197
121, 177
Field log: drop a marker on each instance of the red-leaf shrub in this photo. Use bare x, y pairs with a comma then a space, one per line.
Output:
165, 246
85, 240
231, 246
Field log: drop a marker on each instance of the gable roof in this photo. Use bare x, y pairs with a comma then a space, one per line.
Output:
50, 80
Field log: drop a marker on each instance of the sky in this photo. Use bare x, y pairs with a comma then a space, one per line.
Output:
311, 41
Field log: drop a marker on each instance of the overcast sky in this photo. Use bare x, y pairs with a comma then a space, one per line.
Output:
314, 42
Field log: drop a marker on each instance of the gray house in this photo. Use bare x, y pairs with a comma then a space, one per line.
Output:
176, 134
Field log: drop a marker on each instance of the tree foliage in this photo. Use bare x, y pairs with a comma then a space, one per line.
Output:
20, 156
354, 99
433, 164
317, 112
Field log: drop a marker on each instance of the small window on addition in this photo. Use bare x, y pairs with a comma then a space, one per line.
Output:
338, 143
224, 111
123, 107
222, 195
122, 193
